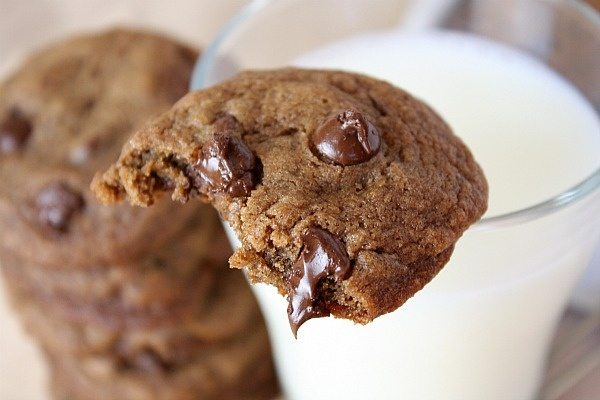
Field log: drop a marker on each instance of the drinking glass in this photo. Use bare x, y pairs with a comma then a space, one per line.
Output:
482, 328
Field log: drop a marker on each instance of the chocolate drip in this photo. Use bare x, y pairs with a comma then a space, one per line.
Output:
323, 256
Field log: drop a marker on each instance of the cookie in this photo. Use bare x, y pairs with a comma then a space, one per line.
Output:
126, 303
217, 350
65, 113
347, 193
177, 324
167, 280
241, 370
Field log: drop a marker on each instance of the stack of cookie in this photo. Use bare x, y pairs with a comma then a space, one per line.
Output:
127, 303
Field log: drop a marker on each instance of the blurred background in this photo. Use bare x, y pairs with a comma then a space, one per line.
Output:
25, 25
30, 23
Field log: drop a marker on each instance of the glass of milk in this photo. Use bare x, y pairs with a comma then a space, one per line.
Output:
26, 26
519, 82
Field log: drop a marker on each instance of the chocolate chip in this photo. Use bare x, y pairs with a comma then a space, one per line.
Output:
14, 133
56, 204
83, 152
346, 138
151, 362
226, 165
145, 360
322, 256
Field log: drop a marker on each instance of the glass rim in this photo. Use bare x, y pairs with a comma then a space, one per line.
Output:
555, 203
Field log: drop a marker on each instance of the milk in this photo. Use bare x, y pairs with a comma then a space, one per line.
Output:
482, 328
523, 122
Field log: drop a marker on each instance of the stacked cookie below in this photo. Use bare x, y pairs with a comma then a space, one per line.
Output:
126, 303
174, 325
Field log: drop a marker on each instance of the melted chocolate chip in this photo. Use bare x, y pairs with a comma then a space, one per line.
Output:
346, 138
226, 165
56, 204
14, 133
322, 256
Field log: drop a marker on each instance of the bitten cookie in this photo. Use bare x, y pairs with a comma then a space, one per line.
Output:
347, 193
65, 114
